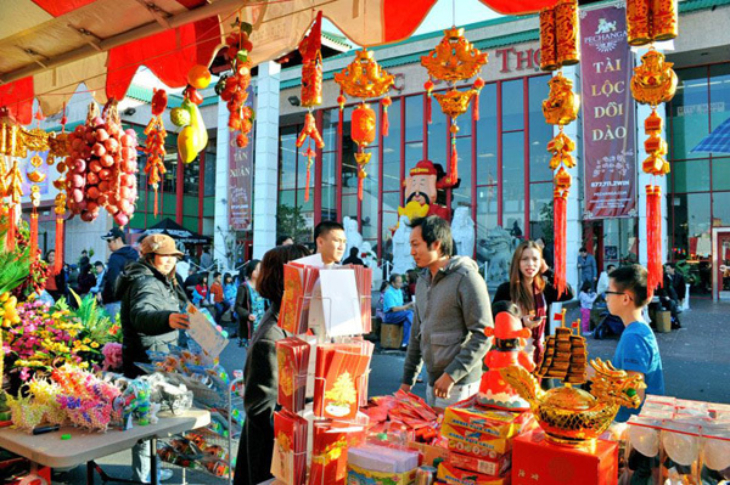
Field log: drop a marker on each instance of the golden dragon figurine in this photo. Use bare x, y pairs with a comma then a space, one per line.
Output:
573, 416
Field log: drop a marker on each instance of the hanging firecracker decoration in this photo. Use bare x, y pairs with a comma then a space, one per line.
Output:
559, 34
454, 59
155, 143
60, 210
363, 78
654, 82
35, 176
648, 21
234, 89
311, 50
561, 108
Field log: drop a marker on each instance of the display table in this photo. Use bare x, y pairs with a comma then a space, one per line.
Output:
85, 447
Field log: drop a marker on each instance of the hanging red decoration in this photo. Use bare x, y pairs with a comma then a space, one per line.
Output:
311, 51
234, 89
60, 211
35, 176
363, 78
155, 143
647, 21
454, 59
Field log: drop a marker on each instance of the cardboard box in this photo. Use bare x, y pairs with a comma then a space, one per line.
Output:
486, 466
429, 452
536, 460
361, 476
475, 443
391, 336
499, 424
453, 476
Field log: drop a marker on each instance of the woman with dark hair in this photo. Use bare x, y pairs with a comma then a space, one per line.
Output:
250, 305
261, 372
152, 302
86, 280
56, 285
200, 293
530, 287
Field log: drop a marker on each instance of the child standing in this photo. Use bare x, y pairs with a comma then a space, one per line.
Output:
587, 296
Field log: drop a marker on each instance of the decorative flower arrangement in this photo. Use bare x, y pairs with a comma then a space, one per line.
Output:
45, 338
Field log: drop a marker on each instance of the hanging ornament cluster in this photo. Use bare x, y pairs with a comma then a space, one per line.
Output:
454, 59
234, 89
311, 50
35, 176
654, 82
102, 167
559, 46
155, 143
363, 78
559, 34
651, 20
193, 137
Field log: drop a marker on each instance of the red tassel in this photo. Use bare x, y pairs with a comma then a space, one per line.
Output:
155, 207
10, 236
454, 162
386, 123
560, 227
360, 185
34, 235
306, 188
475, 107
341, 101
59, 245
654, 237
429, 109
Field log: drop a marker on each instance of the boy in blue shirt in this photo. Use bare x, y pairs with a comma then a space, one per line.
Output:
637, 351
394, 310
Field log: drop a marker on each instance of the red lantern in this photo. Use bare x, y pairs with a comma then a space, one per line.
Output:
363, 125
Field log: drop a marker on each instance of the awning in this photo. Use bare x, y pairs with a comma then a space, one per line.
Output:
50, 46
177, 232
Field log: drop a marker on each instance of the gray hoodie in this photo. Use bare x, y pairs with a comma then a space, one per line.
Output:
451, 314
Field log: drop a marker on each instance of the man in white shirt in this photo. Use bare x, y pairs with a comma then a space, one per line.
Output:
331, 242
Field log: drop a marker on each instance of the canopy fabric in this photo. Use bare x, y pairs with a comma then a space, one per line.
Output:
38, 32
177, 232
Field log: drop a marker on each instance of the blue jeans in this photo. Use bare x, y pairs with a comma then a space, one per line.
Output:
403, 317
113, 310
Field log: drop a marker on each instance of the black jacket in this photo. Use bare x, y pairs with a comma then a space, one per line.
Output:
148, 298
116, 264
550, 292
261, 376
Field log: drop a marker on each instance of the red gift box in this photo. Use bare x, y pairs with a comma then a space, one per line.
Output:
485, 465
537, 460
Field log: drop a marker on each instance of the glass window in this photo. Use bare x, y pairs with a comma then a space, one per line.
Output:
719, 94
691, 176
391, 201
721, 174
512, 105
349, 165
287, 157
414, 117
487, 136
513, 184
438, 135
691, 223
541, 211
210, 169
462, 195
486, 219
391, 148
329, 128
349, 205
721, 208
540, 132
370, 197
414, 154
690, 120
191, 176
329, 161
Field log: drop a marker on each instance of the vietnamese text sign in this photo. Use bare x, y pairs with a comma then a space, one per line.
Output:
240, 183
609, 141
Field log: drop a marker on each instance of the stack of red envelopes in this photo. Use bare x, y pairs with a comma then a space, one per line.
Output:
292, 356
338, 379
289, 462
329, 451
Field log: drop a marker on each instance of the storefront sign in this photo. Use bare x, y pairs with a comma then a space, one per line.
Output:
240, 184
609, 141
512, 59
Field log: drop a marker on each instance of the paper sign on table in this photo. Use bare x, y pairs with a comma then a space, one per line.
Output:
204, 332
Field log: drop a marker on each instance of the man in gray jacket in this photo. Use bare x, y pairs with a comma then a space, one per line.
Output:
451, 312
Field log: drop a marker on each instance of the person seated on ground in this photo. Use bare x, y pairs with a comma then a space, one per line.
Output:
678, 282
395, 311
353, 258
669, 301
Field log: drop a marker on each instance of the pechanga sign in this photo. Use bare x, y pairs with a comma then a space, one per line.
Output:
609, 140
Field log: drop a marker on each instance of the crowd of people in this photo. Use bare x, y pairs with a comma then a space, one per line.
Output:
443, 305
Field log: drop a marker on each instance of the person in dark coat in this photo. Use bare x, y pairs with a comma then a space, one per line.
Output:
261, 373
121, 255
250, 306
152, 299
531, 288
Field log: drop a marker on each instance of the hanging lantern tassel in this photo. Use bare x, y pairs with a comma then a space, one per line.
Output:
310, 154
154, 189
453, 176
654, 237
60, 211
386, 102
34, 235
362, 159
429, 89
341, 101
560, 227
478, 85
10, 235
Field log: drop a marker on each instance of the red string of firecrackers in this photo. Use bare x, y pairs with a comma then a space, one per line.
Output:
654, 236
386, 103
429, 97
60, 211
478, 85
560, 227
34, 234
